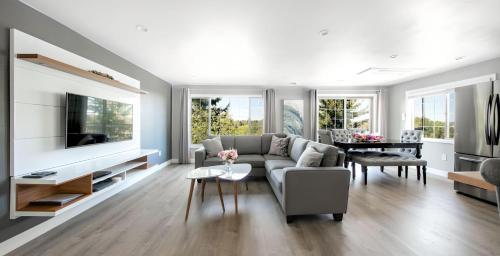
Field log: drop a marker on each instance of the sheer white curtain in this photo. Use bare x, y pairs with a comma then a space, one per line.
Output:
382, 111
185, 129
269, 111
313, 99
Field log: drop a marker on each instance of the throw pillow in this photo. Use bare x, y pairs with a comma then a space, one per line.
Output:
279, 146
213, 146
310, 158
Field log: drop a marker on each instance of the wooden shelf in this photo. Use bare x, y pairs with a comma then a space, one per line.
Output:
51, 63
50, 208
28, 193
471, 178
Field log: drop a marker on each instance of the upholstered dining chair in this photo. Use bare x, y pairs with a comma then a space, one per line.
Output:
341, 135
409, 136
490, 170
325, 137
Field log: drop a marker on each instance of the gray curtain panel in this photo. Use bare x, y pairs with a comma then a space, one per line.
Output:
269, 111
184, 151
313, 99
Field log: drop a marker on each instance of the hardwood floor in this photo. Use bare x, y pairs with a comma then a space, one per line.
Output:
390, 216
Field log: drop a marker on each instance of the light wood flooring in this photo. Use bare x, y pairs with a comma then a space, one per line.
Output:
390, 216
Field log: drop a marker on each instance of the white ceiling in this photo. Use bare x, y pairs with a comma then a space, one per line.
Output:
277, 42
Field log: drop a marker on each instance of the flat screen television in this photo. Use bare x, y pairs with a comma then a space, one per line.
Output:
91, 120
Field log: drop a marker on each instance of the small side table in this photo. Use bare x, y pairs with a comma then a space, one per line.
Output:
204, 173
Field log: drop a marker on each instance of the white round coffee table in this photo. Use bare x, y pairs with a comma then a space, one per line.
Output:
237, 173
202, 174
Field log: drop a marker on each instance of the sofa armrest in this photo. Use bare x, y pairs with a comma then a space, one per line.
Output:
341, 159
315, 190
199, 156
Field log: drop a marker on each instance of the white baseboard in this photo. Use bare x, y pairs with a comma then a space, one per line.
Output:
438, 172
176, 161
42, 228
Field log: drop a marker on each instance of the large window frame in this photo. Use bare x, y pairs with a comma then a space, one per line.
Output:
373, 115
448, 123
209, 98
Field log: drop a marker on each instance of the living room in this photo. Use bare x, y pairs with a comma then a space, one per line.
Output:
249, 128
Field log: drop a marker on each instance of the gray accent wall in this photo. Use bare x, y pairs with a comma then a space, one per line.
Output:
155, 106
433, 151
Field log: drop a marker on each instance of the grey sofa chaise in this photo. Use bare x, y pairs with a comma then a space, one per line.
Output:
299, 190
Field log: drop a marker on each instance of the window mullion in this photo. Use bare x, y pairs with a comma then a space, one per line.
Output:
209, 116
345, 113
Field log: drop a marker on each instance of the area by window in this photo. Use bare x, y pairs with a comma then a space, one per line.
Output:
345, 113
435, 115
226, 115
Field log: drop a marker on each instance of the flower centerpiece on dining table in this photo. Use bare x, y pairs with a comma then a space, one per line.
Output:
367, 137
229, 157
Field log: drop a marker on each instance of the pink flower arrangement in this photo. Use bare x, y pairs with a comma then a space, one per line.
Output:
367, 137
229, 155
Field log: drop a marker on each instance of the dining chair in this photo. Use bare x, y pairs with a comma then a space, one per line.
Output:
409, 136
325, 137
341, 135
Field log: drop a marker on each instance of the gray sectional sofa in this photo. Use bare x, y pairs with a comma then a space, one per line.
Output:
299, 190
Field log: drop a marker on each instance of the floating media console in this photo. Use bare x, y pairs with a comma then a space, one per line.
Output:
75, 179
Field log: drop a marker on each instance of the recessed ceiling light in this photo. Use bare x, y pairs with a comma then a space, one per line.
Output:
393, 56
141, 28
293, 83
324, 32
460, 58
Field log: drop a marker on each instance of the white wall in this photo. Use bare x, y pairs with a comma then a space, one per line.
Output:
432, 151
37, 101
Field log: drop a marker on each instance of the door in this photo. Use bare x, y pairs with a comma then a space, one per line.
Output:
473, 108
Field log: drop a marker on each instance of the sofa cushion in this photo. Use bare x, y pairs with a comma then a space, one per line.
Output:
266, 140
298, 146
257, 161
276, 179
248, 144
275, 157
310, 158
279, 146
211, 161
279, 164
227, 141
212, 146
330, 152
290, 143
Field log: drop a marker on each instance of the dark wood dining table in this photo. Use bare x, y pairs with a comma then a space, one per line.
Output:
352, 144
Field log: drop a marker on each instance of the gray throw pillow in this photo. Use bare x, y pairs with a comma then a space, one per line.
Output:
310, 158
212, 146
279, 146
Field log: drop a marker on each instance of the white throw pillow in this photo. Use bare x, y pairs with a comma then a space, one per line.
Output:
310, 158
212, 146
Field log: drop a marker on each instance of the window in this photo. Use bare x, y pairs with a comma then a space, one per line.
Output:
345, 113
226, 115
435, 115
